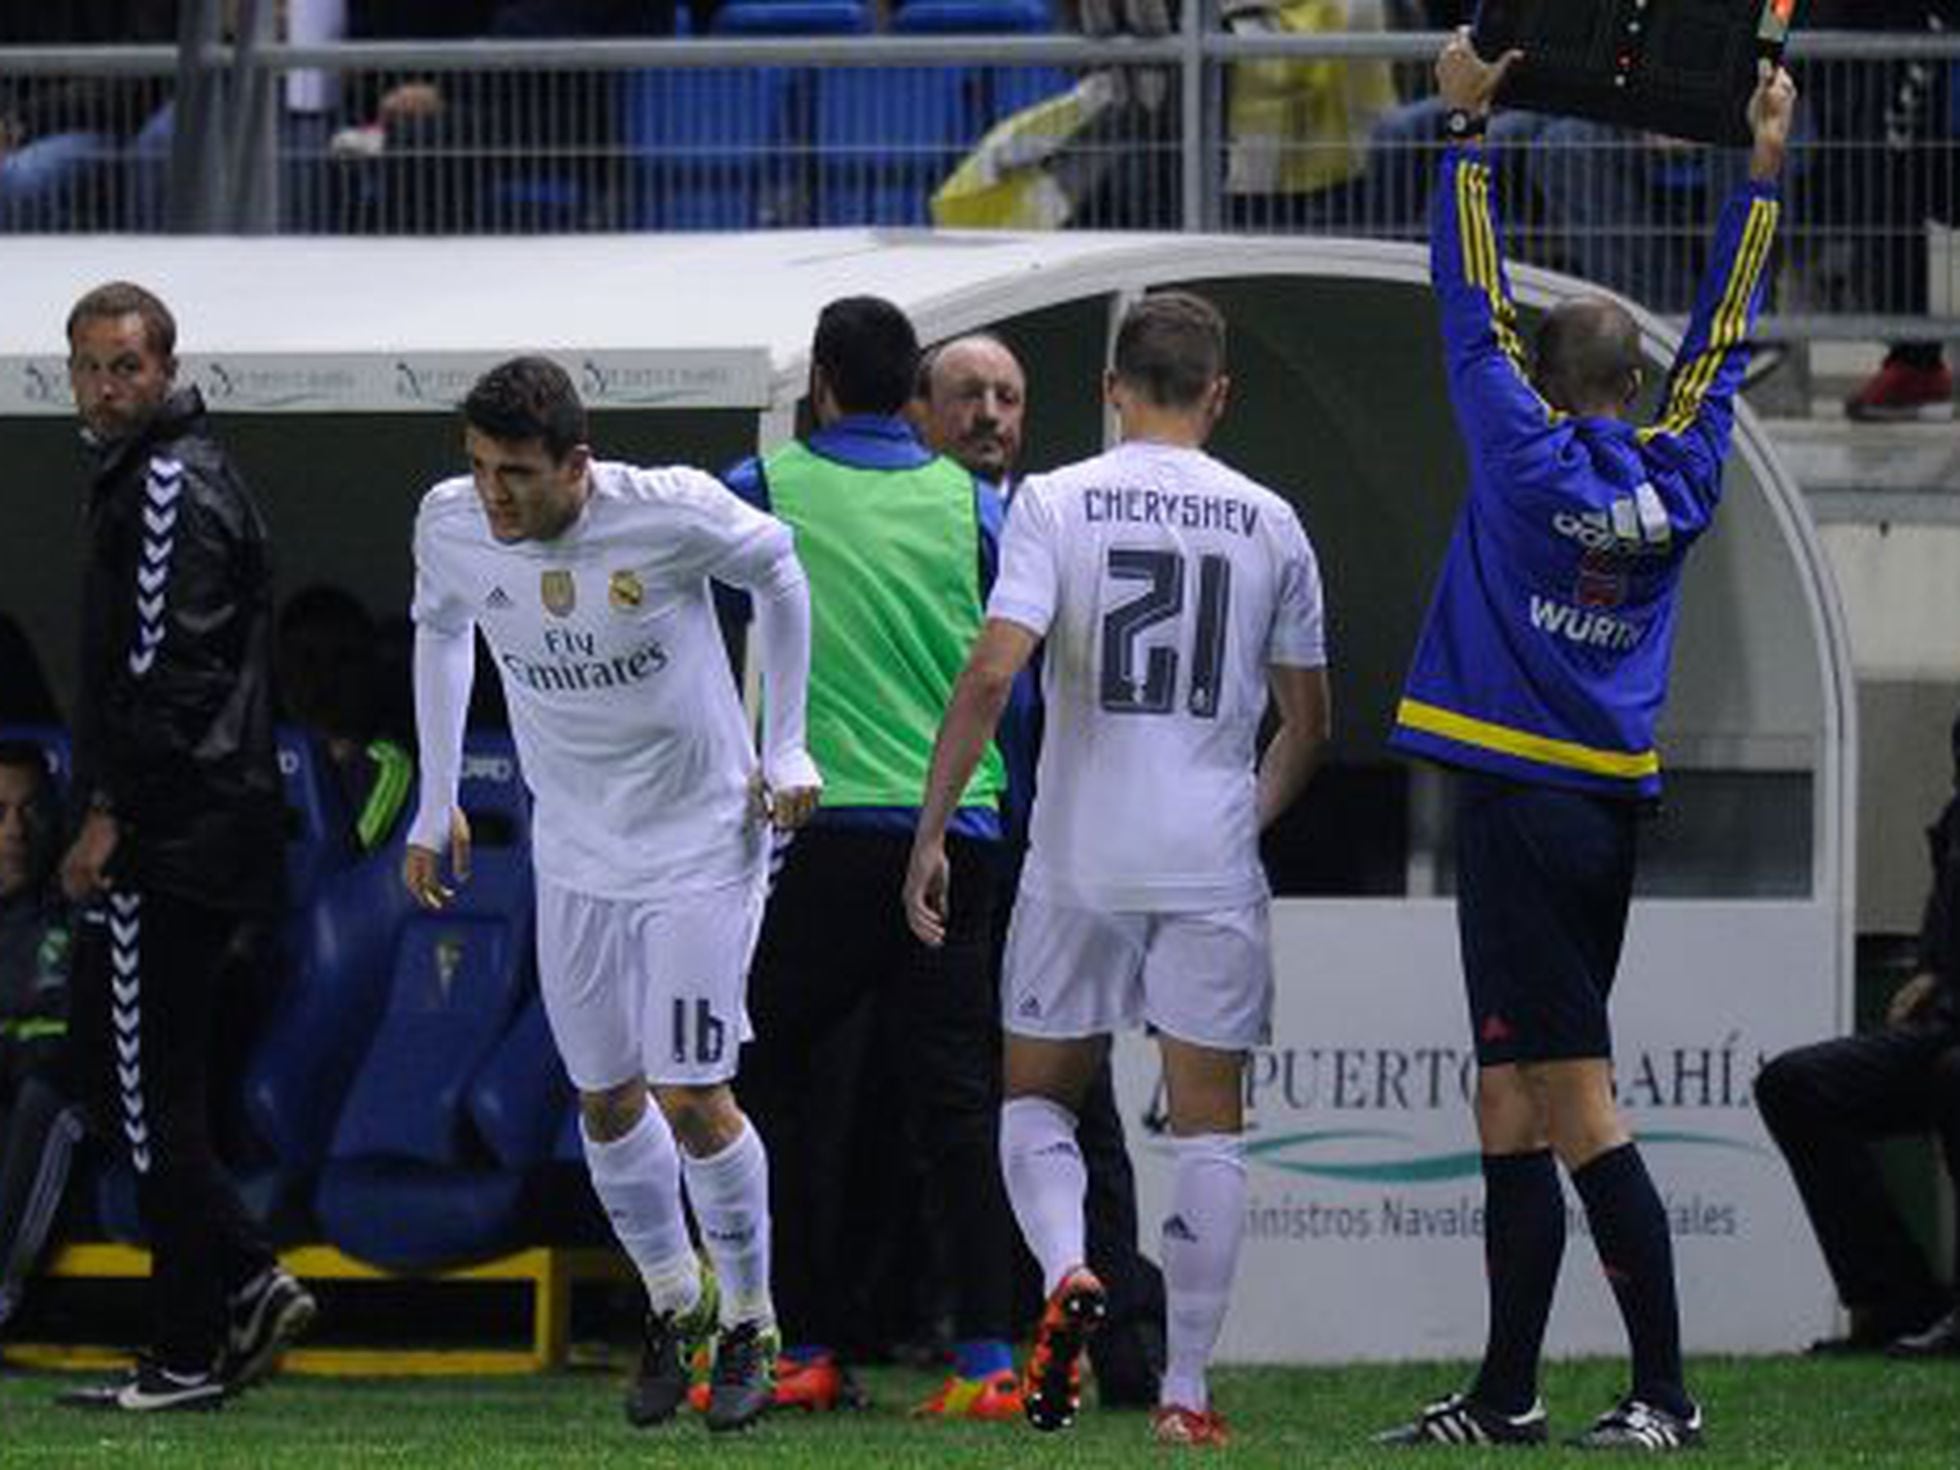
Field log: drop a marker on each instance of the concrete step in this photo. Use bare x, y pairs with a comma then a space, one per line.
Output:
1873, 472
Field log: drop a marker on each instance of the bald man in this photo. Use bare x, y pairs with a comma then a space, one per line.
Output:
1538, 680
971, 402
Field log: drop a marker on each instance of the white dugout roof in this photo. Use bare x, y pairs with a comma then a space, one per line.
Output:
695, 322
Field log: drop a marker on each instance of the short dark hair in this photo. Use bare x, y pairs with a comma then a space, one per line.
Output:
868, 353
126, 298
327, 665
528, 398
1586, 354
25, 755
1171, 347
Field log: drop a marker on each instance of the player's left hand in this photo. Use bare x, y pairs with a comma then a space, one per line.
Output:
927, 880
1772, 107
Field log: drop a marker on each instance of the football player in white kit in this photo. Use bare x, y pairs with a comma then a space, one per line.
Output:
1172, 595
651, 833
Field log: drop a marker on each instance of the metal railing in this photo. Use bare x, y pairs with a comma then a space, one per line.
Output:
1200, 130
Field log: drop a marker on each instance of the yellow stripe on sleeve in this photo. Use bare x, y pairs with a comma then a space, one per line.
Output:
1726, 328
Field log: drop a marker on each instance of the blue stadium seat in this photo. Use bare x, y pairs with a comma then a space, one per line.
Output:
793, 18
997, 91
408, 1183
973, 17
340, 946
705, 147
886, 136
318, 824
1011, 89
520, 1099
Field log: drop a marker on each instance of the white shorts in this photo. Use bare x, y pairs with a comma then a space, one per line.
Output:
635, 987
1205, 978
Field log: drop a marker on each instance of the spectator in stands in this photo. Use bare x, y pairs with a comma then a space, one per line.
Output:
177, 855
39, 1123
899, 547
971, 402
1825, 1105
329, 683
1297, 130
1883, 168
474, 146
64, 139
1620, 209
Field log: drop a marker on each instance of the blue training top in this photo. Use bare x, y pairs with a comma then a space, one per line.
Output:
1544, 657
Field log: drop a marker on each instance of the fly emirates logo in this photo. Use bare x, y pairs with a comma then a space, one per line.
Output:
574, 663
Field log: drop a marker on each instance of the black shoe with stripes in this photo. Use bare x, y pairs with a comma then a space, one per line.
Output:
1634, 1424
267, 1316
150, 1388
1460, 1419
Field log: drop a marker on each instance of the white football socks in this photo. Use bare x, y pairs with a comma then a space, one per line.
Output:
638, 1179
1046, 1180
730, 1194
1202, 1234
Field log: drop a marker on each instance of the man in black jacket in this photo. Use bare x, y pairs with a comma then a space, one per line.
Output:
178, 850
1824, 1104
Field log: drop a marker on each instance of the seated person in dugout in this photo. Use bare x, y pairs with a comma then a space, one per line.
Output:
1827, 1103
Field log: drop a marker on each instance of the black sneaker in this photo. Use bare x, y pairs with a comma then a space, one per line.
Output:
1633, 1424
268, 1315
666, 1352
150, 1388
1460, 1419
742, 1383
1941, 1340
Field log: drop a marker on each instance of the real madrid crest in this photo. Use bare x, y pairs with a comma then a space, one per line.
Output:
559, 592
625, 592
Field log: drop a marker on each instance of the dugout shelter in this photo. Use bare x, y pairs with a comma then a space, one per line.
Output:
335, 366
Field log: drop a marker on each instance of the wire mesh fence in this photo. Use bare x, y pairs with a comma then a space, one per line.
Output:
1328, 133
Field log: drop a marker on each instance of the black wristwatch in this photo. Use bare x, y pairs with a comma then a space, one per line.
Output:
1463, 126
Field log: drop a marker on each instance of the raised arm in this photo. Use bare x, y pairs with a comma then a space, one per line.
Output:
1698, 409
1496, 405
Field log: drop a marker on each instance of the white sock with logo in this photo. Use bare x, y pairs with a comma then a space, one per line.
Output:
1046, 1179
730, 1194
1201, 1255
638, 1179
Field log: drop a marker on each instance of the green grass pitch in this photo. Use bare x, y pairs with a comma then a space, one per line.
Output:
1761, 1412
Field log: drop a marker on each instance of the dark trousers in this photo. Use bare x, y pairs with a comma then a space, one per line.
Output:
833, 942
39, 1128
147, 971
1824, 1105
